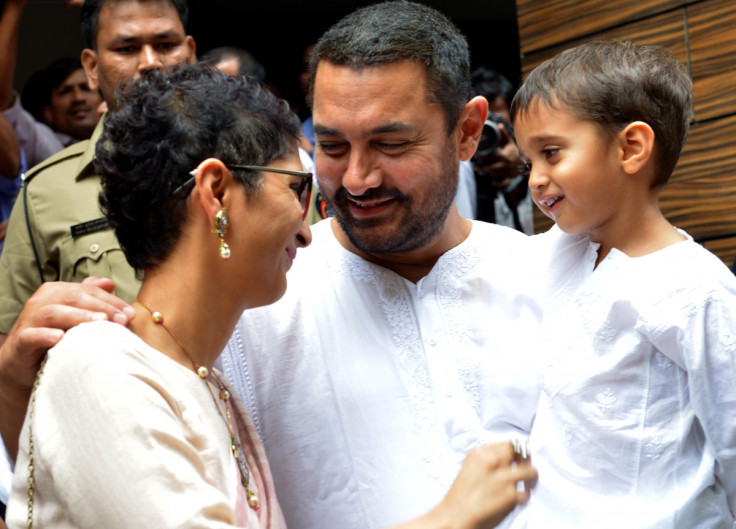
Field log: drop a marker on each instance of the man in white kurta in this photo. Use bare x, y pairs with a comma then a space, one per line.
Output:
368, 390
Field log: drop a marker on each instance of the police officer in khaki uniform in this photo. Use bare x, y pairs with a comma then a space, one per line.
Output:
56, 230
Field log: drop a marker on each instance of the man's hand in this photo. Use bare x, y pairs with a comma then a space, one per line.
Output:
53, 308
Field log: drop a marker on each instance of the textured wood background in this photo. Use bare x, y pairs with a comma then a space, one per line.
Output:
701, 195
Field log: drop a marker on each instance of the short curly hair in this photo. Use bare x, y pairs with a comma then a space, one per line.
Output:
167, 123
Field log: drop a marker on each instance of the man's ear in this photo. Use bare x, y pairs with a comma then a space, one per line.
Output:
189, 41
470, 126
637, 145
89, 63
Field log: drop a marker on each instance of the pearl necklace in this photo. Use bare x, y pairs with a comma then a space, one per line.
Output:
238, 454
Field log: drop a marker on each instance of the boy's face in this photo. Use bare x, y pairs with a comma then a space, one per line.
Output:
575, 177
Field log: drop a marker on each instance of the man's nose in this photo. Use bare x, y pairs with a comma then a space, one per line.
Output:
79, 93
149, 59
360, 175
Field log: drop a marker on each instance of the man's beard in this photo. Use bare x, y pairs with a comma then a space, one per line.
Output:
418, 226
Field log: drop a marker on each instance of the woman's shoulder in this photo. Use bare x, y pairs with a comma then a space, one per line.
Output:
88, 337
106, 366
96, 350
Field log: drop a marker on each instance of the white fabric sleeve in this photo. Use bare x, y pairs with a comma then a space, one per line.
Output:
700, 336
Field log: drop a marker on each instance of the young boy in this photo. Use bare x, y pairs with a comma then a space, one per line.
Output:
636, 424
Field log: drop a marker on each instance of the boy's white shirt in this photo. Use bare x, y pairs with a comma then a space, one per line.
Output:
626, 434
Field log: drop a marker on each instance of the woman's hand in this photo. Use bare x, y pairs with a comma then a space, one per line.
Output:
484, 492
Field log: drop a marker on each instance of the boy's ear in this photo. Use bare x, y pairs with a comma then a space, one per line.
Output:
637, 145
470, 126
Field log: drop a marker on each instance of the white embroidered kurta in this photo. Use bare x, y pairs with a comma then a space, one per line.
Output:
636, 425
368, 390
124, 437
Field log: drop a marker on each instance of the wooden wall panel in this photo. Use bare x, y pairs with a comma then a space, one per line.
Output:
712, 30
723, 248
667, 29
547, 23
701, 195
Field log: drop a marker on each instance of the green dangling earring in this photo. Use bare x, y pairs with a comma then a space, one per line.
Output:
221, 223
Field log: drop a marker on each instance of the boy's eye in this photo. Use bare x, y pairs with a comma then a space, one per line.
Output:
525, 169
549, 153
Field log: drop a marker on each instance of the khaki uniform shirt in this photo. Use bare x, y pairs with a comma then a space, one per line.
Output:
58, 211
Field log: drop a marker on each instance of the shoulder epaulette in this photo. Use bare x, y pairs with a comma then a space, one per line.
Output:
72, 151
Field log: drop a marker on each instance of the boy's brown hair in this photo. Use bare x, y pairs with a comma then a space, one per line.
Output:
614, 83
